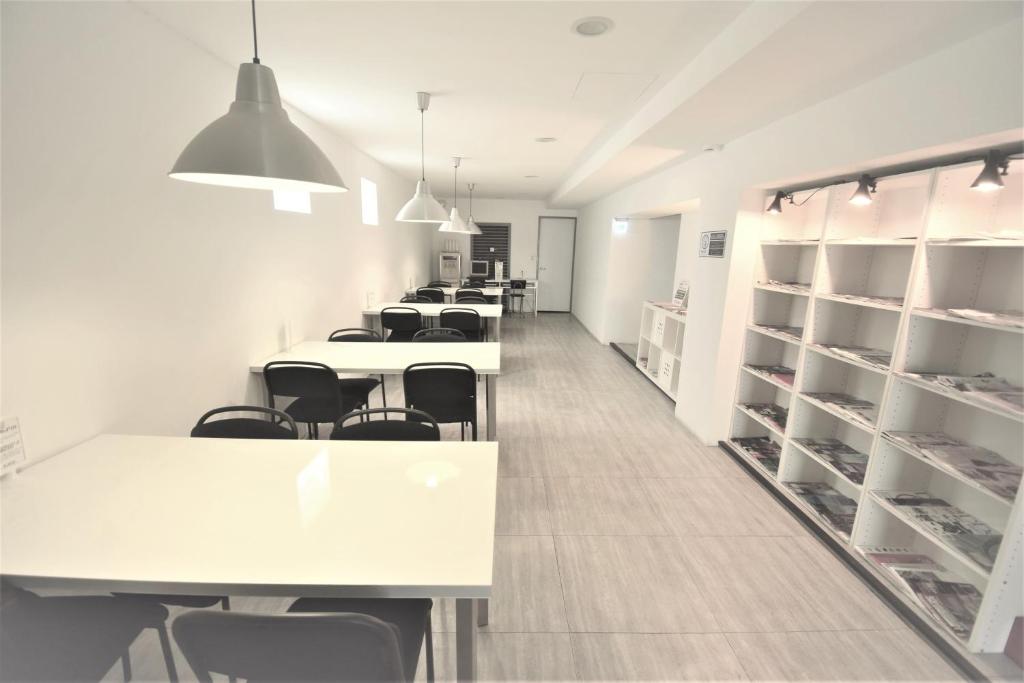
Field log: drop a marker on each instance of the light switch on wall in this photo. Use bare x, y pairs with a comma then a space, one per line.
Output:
371, 299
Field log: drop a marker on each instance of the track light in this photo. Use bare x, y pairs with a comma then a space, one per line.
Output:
990, 178
865, 188
776, 205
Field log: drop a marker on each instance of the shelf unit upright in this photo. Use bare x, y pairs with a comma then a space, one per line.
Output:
660, 349
915, 252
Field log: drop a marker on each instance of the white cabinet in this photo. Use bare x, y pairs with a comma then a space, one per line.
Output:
660, 349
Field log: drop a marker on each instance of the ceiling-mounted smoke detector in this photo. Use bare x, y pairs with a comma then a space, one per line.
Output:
589, 27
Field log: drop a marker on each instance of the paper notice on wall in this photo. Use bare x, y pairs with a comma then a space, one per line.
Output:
12, 450
712, 243
682, 294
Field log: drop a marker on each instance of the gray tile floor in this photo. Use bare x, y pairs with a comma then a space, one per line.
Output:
626, 550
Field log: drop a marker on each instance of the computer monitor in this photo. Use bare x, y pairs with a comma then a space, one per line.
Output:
479, 268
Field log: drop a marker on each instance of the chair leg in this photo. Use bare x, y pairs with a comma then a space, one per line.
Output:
316, 431
126, 665
473, 425
430, 650
462, 429
225, 604
383, 395
165, 645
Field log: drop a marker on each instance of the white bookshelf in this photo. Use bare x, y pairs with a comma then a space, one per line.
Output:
660, 349
915, 252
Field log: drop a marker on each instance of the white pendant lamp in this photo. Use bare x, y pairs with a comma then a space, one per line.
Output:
422, 208
255, 145
455, 223
474, 229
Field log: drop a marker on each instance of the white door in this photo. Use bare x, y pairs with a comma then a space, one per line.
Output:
555, 246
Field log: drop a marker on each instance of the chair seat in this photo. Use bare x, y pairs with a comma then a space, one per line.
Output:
242, 428
410, 615
358, 386
319, 410
70, 638
385, 430
401, 335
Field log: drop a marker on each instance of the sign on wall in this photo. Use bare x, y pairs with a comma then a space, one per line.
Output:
12, 450
712, 244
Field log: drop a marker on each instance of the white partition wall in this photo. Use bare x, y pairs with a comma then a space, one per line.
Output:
855, 332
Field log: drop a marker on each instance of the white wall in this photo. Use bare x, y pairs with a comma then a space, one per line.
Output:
132, 302
965, 96
523, 216
641, 267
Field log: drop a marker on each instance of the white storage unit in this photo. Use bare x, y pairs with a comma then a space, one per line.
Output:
660, 350
884, 276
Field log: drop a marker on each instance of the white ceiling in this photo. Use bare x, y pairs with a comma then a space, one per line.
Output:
505, 73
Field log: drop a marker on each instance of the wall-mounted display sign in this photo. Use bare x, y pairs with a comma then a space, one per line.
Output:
12, 450
712, 243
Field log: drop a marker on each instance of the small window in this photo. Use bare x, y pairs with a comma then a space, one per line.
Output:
620, 226
296, 202
369, 194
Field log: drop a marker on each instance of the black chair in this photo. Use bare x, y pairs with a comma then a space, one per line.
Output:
465, 320
439, 334
403, 322
75, 638
468, 291
433, 293
445, 391
360, 386
413, 299
516, 287
246, 427
477, 280
417, 426
316, 391
291, 647
438, 283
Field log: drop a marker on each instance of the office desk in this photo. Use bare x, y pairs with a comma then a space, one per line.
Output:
450, 291
393, 358
160, 514
532, 287
491, 313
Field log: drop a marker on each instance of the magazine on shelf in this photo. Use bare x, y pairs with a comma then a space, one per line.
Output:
834, 508
951, 602
796, 333
1000, 318
982, 466
848, 461
794, 287
864, 412
878, 358
780, 373
762, 449
773, 414
984, 388
889, 558
671, 307
1002, 235
868, 239
961, 530
862, 298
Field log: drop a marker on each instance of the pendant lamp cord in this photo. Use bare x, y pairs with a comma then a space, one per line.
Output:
255, 47
423, 162
455, 187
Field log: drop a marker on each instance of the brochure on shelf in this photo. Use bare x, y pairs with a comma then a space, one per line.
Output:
982, 466
959, 529
795, 333
794, 287
761, 449
1002, 235
877, 358
864, 412
848, 461
985, 388
999, 318
953, 603
771, 413
779, 373
895, 301
834, 508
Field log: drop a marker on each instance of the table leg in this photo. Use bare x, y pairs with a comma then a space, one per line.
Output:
497, 328
491, 382
482, 611
465, 639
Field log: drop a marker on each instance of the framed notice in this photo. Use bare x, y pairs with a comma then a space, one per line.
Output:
682, 294
12, 450
712, 244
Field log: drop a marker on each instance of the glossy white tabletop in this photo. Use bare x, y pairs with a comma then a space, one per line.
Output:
391, 358
450, 291
485, 310
255, 517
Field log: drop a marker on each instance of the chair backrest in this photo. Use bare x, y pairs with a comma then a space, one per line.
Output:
466, 291
438, 283
355, 334
432, 293
477, 280
401, 319
294, 378
439, 334
517, 284
470, 299
417, 426
246, 427
466, 320
446, 391
290, 647
414, 299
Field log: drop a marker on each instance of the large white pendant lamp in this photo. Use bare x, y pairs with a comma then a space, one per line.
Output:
474, 229
255, 145
422, 208
455, 222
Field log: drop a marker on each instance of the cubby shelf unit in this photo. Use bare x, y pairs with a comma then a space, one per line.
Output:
660, 350
884, 277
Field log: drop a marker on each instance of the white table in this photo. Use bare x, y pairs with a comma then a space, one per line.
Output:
160, 514
489, 312
392, 358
